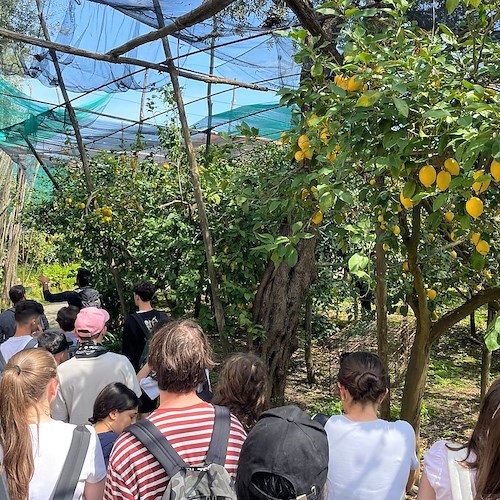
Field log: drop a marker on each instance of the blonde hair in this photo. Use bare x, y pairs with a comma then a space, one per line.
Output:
242, 387
25, 380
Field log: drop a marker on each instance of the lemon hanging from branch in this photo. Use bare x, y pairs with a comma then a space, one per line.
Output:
427, 175
474, 207
452, 166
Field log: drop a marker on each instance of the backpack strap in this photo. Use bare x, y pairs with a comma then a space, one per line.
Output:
321, 418
142, 325
460, 480
220, 436
3, 364
31, 344
4, 491
158, 445
73, 465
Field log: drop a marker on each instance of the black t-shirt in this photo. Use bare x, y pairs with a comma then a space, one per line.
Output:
134, 338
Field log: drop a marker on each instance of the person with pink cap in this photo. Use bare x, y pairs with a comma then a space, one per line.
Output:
83, 377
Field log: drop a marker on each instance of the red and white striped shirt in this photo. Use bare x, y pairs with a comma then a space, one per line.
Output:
134, 473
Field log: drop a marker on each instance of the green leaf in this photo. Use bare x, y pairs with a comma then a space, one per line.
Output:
465, 222
439, 201
436, 113
357, 262
401, 106
296, 227
409, 188
326, 201
369, 98
274, 205
291, 257
451, 5
492, 334
345, 196
477, 261
317, 70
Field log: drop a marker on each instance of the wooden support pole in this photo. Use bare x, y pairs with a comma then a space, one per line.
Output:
162, 67
195, 179
41, 162
207, 9
69, 106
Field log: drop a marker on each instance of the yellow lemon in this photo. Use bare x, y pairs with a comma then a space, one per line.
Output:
317, 217
304, 194
427, 175
480, 187
475, 238
299, 155
495, 170
483, 247
452, 166
81, 206
396, 230
166, 165
406, 202
431, 294
453, 254
443, 180
106, 211
406, 267
303, 142
386, 247
373, 182
380, 218
474, 207
341, 82
354, 84
449, 216
308, 153
68, 201
331, 156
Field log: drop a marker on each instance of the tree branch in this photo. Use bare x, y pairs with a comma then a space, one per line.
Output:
207, 9
453, 317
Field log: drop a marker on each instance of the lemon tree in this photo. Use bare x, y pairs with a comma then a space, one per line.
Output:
416, 140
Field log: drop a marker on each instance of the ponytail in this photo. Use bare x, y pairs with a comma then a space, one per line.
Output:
24, 382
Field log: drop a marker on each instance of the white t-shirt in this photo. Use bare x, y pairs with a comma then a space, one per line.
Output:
436, 469
81, 381
13, 345
51, 442
369, 459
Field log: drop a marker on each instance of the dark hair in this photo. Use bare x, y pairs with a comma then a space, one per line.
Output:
488, 474
179, 353
83, 277
53, 340
275, 486
114, 397
364, 376
66, 317
242, 387
479, 437
145, 290
16, 293
27, 310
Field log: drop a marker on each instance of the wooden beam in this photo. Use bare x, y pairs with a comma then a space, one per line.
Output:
67, 49
42, 163
206, 10
308, 18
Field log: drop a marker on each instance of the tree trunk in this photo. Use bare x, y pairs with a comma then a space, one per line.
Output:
14, 237
416, 375
381, 310
311, 376
118, 280
277, 307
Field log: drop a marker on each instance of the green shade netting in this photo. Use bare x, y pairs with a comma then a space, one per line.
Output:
22, 118
269, 118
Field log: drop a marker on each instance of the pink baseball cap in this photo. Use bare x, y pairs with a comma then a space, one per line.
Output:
90, 321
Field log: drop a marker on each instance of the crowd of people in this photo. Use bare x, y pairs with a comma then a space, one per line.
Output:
69, 426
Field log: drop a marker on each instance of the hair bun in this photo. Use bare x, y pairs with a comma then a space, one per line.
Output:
366, 382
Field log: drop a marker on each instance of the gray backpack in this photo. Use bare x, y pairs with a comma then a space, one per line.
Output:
90, 297
210, 481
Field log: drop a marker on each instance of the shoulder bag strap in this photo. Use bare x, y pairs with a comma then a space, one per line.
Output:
158, 445
461, 484
3, 364
73, 465
138, 319
4, 491
220, 436
31, 344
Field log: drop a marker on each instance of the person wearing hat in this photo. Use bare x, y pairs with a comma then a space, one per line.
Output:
285, 456
83, 377
54, 341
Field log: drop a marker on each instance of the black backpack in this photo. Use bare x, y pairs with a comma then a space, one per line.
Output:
90, 297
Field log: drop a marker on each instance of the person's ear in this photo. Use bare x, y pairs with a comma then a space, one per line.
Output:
383, 396
53, 384
113, 415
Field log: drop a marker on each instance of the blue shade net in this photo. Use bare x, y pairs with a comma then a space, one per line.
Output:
245, 49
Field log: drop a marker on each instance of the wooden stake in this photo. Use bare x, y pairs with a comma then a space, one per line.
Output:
195, 179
